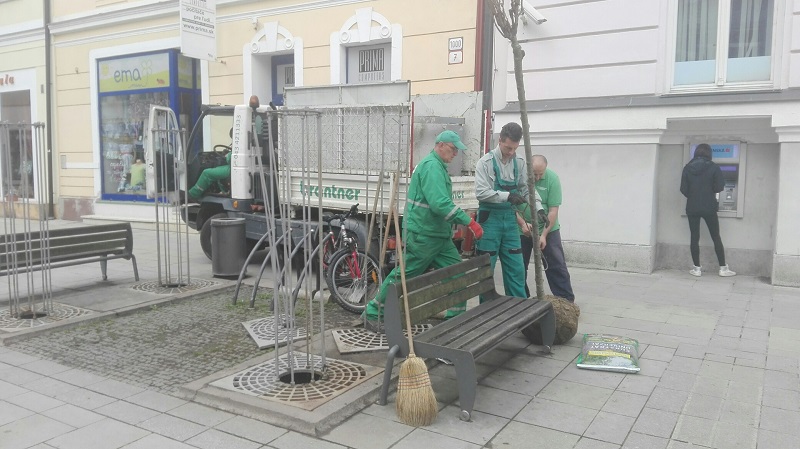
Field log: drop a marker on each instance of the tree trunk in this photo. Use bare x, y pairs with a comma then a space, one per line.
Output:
523, 115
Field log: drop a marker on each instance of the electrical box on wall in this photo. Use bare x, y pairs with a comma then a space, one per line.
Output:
731, 156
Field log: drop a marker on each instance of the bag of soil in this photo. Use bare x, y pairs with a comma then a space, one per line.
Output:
609, 353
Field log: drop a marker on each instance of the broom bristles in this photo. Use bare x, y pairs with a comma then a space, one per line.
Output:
416, 402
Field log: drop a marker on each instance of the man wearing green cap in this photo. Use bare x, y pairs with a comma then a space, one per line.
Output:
429, 216
501, 186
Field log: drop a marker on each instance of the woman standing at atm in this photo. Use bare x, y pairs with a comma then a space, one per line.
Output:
701, 181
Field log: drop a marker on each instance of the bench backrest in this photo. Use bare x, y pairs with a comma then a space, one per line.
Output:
66, 244
441, 289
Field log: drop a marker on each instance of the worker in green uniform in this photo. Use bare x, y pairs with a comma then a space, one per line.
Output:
500, 185
429, 216
210, 176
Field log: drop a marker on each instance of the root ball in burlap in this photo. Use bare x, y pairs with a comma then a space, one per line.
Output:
567, 314
416, 401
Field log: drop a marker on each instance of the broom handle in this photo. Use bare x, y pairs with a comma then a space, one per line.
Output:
403, 283
392, 199
372, 218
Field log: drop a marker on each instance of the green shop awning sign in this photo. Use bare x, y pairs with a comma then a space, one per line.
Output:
133, 73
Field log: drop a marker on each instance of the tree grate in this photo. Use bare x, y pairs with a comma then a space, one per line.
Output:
363, 340
172, 288
262, 331
264, 380
60, 312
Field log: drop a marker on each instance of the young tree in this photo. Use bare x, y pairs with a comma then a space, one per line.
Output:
507, 23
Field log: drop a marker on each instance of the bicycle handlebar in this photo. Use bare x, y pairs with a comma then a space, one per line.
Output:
353, 211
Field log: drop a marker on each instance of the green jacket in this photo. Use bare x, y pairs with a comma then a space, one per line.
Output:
430, 209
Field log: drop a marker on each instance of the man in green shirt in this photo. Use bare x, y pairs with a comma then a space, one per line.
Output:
428, 220
548, 186
526, 235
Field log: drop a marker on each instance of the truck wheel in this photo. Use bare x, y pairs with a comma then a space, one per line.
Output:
205, 234
350, 291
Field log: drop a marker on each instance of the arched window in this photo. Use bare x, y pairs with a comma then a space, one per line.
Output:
272, 60
367, 49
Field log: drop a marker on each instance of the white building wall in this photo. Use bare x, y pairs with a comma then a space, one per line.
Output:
597, 77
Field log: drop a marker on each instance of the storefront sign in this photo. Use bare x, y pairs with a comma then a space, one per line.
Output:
727, 151
6, 80
133, 73
369, 64
199, 29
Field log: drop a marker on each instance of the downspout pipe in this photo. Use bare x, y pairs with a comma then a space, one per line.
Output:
486, 42
484, 60
48, 81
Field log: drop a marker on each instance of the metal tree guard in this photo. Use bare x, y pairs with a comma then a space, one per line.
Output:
26, 240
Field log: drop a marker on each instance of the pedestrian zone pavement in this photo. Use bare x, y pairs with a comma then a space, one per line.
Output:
719, 359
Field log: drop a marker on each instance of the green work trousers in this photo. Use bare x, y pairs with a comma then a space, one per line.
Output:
421, 252
501, 238
209, 176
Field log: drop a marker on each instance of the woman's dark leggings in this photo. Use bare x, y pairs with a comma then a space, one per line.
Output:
712, 221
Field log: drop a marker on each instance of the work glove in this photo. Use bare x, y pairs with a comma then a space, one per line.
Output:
515, 199
476, 229
542, 216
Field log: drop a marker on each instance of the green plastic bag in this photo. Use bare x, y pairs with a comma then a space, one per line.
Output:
609, 353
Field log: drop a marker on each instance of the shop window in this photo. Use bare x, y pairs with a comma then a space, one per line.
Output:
128, 86
16, 151
719, 42
366, 49
732, 160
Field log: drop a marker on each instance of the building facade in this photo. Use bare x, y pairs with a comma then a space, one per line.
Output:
619, 92
23, 100
112, 59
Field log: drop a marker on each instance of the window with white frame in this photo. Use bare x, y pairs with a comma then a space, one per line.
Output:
723, 42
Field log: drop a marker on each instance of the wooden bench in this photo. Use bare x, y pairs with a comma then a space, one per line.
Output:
22, 252
468, 336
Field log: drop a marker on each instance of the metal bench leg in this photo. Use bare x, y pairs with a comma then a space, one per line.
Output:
135, 268
387, 374
467, 379
548, 326
103, 268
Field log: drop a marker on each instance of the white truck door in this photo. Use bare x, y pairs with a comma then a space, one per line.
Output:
163, 153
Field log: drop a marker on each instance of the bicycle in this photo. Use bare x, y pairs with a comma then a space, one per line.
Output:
353, 277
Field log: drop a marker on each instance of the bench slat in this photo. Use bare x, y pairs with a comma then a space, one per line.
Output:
59, 241
435, 276
485, 330
70, 252
66, 232
471, 318
420, 313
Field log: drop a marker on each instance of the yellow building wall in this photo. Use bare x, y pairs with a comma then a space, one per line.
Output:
425, 42
424, 62
16, 12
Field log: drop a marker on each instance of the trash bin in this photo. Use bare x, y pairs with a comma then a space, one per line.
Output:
228, 246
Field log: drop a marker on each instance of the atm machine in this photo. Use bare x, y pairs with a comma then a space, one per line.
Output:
731, 158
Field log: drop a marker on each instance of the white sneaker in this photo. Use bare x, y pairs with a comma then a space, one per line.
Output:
725, 271
696, 271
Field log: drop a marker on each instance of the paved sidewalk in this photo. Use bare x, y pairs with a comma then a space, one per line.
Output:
720, 364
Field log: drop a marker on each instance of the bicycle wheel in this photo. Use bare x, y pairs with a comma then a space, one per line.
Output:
350, 291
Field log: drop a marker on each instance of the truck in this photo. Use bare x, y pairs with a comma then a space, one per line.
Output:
326, 149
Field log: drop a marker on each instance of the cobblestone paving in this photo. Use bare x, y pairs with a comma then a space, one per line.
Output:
166, 346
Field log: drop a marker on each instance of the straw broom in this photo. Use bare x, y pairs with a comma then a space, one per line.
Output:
416, 402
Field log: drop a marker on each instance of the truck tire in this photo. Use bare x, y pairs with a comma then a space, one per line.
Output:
348, 290
205, 234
